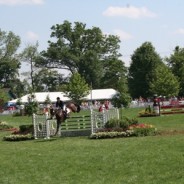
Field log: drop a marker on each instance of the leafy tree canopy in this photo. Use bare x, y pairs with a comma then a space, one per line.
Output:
77, 48
176, 63
164, 83
9, 60
141, 70
77, 88
47, 80
30, 55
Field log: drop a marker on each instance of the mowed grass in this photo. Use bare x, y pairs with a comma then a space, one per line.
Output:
79, 160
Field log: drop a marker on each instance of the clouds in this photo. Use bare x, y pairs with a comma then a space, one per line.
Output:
122, 34
180, 31
129, 12
21, 2
31, 36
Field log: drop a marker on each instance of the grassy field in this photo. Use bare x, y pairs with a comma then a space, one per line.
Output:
79, 160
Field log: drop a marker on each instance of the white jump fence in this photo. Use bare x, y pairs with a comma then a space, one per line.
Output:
73, 126
98, 119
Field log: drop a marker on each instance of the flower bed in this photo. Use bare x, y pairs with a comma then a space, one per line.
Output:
121, 128
25, 132
143, 129
5, 126
18, 137
112, 134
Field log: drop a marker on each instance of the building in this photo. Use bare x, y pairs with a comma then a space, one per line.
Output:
96, 94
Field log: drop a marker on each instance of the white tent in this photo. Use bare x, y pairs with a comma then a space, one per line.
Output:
101, 94
96, 94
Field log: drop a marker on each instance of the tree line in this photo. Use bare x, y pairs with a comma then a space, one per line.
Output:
93, 60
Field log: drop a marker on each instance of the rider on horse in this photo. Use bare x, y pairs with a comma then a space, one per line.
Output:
62, 110
60, 104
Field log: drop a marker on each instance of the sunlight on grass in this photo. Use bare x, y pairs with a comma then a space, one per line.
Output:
79, 160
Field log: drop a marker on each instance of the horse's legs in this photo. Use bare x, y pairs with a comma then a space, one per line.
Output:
58, 126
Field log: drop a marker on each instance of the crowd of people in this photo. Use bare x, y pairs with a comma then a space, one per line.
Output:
100, 105
139, 102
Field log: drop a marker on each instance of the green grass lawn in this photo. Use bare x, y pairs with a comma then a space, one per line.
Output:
79, 160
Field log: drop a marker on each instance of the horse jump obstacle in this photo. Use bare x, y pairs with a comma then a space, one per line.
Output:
98, 119
73, 126
43, 127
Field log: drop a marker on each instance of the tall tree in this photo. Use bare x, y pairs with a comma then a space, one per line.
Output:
114, 71
19, 89
3, 97
48, 80
176, 63
77, 88
164, 82
9, 61
141, 70
29, 55
122, 97
76, 48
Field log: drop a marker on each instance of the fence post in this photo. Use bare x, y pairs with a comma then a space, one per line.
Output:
104, 117
92, 127
117, 111
34, 125
47, 127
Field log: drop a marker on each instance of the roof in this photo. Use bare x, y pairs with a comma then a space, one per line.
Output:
100, 94
96, 94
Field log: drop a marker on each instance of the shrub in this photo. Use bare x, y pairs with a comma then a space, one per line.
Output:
112, 123
26, 129
143, 130
31, 107
123, 123
17, 114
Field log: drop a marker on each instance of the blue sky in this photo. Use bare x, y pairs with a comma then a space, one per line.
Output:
134, 21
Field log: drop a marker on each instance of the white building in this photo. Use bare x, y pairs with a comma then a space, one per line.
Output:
96, 94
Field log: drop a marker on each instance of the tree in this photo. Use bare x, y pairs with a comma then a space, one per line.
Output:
9, 60
3, 97
123, 97
114, 71
29, 55
164, 82
176, 63
141, 70
47, 100
78, 49
19, 89
47, 80
77, 88
32, 106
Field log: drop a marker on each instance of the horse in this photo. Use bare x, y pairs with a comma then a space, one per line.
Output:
61, 115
